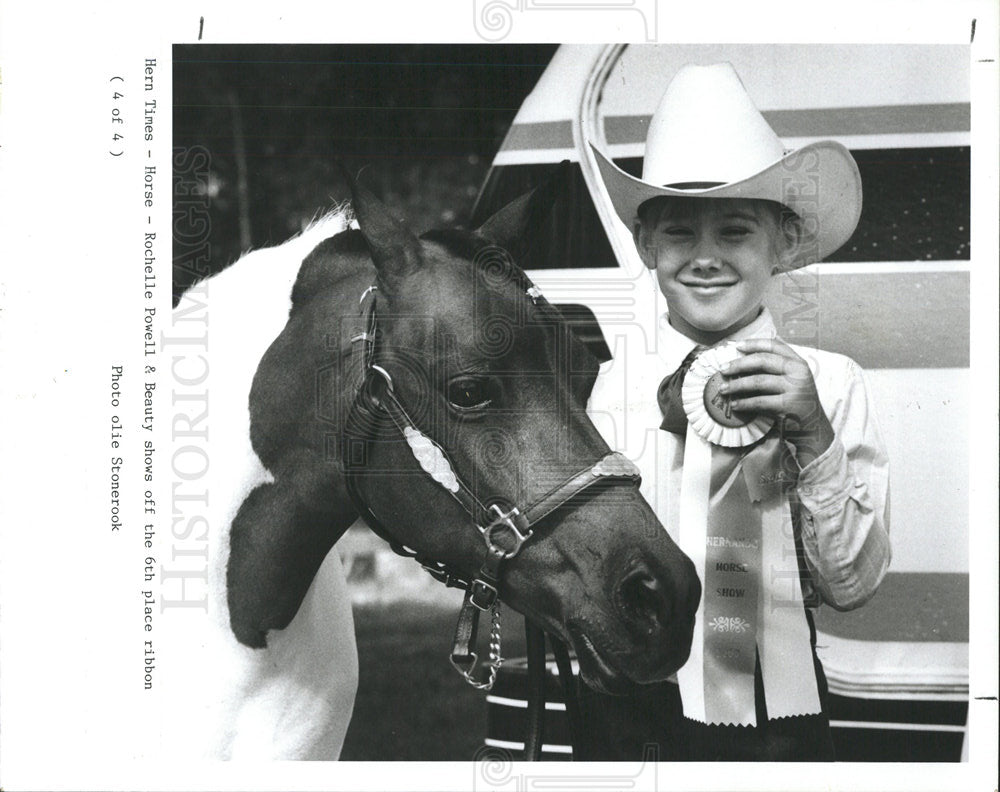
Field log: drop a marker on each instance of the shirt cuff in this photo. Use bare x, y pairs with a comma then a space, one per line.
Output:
822, 481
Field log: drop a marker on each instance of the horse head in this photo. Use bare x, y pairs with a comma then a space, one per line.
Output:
493, 384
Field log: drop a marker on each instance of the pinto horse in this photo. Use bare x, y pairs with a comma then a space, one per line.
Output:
493, 384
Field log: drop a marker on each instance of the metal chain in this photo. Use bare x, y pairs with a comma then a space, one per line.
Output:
496, 660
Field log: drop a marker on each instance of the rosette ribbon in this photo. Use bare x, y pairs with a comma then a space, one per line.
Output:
735, 524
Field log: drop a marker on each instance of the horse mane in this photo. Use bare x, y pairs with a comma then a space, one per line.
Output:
325, 262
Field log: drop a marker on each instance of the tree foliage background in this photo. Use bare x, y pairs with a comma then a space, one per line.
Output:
420, 122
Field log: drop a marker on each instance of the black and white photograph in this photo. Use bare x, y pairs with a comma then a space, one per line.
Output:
559, 395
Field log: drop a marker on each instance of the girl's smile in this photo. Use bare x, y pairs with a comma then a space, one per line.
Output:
713, 259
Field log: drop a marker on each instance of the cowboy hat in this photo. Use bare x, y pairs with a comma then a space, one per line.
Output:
708, 140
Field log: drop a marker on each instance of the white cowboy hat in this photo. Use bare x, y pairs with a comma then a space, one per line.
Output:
707, 140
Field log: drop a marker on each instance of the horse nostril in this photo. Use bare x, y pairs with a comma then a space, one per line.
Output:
644, 600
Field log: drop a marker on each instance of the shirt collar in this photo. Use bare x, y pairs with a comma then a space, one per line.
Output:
674, 346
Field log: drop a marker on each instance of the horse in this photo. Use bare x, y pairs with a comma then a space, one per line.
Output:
424, 384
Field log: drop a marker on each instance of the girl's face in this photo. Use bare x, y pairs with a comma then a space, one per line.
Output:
713, 259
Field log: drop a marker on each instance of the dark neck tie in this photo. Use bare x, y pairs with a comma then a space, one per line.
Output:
669, 396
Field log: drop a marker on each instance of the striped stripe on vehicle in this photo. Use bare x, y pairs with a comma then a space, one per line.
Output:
944, 119
829, 122
891, 318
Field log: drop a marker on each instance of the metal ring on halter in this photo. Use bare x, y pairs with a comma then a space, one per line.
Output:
366, 292
504, 521
384, 374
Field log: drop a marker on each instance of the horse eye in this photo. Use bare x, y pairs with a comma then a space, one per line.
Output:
470, 393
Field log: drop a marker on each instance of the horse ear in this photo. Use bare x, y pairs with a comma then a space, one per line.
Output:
511, 227
394, 249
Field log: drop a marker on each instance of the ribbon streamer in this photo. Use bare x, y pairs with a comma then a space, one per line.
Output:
735, 525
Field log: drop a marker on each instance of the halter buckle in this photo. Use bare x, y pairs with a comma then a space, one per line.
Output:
482, 594
506, 524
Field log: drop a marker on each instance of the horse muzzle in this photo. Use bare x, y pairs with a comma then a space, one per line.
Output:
639, 629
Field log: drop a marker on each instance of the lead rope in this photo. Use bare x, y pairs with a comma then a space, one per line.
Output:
534, 730
464, 658
570, 689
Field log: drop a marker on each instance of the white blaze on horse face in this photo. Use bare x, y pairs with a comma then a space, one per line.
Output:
222, 700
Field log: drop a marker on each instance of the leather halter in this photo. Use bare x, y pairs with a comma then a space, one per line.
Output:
505, 528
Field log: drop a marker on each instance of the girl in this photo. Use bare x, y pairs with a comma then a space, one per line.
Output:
771, 472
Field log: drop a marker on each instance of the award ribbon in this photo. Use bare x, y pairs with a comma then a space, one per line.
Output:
732, 569
735, 525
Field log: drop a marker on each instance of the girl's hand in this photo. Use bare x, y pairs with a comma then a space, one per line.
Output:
771, 379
